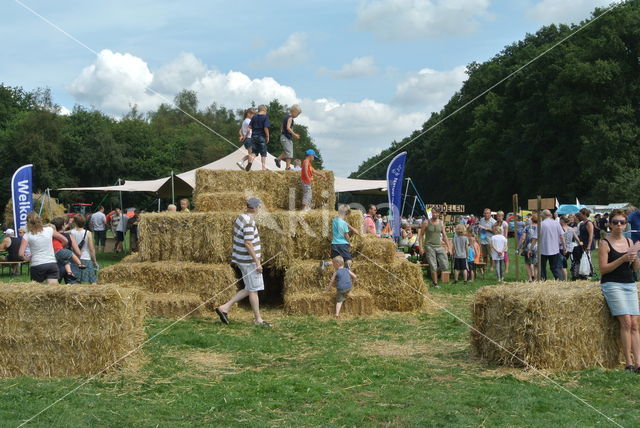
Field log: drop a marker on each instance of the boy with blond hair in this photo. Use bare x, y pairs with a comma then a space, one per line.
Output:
286, 137
460, 254
343, 279
498, 249
259, 127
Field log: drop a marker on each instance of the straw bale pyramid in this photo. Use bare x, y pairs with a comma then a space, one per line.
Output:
183, 263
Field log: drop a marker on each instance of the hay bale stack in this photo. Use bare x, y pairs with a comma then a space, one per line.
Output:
131, 258
397, 286
49, 211
168, 305
324, 303
206, 237
280, 185
230, 201
372, 248
52, 331
552, 325
216, 282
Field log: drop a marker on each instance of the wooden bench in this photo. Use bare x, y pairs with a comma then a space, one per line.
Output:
5, 264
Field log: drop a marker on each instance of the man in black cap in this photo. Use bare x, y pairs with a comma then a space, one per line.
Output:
246, 255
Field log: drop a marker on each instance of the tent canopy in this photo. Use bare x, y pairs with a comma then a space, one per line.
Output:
185, 182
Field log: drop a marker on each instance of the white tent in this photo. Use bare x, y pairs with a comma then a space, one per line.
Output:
185, 182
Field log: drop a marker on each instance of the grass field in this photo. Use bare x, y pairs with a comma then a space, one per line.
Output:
389, 369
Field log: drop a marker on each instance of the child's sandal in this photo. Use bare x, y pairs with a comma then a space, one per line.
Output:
81, 266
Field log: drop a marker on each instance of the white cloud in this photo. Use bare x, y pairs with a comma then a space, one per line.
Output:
358, 67
394, 20
565, 11
292, 52
430, 88
346, 133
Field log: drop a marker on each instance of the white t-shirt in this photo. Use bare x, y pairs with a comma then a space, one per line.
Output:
41, 245
122, 223
98, 221
500, 243
78, 235
245, 128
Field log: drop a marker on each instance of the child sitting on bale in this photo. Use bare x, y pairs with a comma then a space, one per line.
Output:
343, 279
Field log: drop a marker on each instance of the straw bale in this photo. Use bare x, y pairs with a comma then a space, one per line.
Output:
552, 325
373, 248
206, 237
396, 286
280, 185
213, 282
231, 201
324, 303
51, 331
168, 305
131, 258
48, 212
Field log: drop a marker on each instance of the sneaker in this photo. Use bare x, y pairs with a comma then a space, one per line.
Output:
240, 165
455, 282
630, 368
288, 169
323, 265
277, 161
248, 167
263, 324
435, 285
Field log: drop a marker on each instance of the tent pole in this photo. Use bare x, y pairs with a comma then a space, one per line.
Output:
121, 207
173, 190
50, 207
158, 203
406, 190
415, 198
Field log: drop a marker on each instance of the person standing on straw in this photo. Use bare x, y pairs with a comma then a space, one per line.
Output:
343, 279
259, 126
287, 134
306, 178
340, 244
246, 255
245, 136
44, 266
618, 259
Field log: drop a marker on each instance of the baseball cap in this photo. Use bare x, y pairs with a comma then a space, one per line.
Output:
253, 203
311, 152
9, 232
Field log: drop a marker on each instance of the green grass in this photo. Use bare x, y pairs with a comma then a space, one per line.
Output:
392, 369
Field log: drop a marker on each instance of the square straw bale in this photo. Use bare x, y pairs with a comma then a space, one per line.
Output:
168, 305
282, 187
551, 325
324, 303
53, 331
206, 237
214, 282
371, 247
230, 201
396, 286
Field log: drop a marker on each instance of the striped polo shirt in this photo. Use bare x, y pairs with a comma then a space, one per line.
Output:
244, 229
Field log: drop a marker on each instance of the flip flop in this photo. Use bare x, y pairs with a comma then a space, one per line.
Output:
223, 316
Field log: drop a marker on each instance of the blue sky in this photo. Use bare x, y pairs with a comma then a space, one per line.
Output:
365, 72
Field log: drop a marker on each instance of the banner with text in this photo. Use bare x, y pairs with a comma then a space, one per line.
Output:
395, 176
22, 194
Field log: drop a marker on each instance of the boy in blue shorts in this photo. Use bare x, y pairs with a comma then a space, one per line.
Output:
340, 245
343, 279
259, 127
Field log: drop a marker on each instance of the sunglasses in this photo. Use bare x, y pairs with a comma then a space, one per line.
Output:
618, 222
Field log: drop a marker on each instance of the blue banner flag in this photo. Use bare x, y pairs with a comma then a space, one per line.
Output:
395, 176
22, 194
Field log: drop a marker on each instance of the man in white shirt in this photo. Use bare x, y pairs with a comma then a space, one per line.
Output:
99, 227
551, 239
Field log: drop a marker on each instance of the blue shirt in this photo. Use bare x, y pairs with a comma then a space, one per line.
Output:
258, 123
339, 228
471, 255
343, 279
634, 222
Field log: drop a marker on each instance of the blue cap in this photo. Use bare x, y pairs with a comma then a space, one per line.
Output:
311, 152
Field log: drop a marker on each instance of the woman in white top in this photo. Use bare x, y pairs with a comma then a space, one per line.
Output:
39, 239
84, 239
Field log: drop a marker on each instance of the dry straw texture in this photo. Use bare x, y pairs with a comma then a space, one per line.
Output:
282, 186
552, 325
48, 211
230, 201
131, 258
213, 282
372, 248
206, 237
53, 331
324, 303
396, 286
169, 305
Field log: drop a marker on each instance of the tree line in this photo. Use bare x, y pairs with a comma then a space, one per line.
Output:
567, 125
90, 148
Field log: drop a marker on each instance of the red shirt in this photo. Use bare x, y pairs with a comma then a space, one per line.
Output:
306, 175
57, 245
369, 224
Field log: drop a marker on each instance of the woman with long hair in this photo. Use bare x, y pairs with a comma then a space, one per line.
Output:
618, 259
39, 238
84, 239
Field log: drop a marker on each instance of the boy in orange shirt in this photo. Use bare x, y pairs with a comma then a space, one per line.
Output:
306, 178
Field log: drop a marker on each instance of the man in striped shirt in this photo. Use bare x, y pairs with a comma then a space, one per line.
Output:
246, 255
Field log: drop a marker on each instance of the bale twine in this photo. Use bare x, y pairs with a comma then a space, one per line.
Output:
52, 331
551, 325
